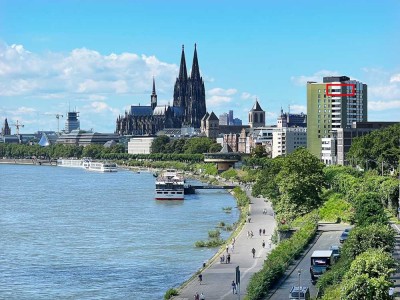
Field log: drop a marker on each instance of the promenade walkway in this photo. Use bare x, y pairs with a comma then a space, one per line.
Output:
217, 277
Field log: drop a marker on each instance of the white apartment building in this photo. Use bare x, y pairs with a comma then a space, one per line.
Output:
140, 145
286, 139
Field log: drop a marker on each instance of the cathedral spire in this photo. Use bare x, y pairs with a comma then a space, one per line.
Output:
182, 69
153, 96
195, 66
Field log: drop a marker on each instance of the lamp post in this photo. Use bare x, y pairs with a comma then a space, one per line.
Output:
299, 289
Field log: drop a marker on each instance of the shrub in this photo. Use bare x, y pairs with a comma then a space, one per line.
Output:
170, 293
214, 233
241, 197
212, 243
336, 209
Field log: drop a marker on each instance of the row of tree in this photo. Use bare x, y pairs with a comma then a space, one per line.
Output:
378, 150
366, 264
196, 145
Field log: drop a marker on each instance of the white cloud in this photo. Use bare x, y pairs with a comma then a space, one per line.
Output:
221, 92
395, 78
100, 107
81, 72
383, 105
218, 100
246, 96
317, 77
296, 109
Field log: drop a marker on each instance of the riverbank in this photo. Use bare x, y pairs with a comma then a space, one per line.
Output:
28, 161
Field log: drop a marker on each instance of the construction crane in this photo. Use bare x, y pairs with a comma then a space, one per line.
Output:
17, 126
58, 122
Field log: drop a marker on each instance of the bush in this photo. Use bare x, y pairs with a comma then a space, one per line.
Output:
170, 293
280, 258
213, 243
241, 197
214, 233
336, 209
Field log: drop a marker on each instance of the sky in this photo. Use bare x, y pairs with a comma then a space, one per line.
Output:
99, 57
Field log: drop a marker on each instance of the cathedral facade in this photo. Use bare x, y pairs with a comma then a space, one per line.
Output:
189, 105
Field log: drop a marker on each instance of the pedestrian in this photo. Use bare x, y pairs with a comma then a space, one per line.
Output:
196, 296
202, 297
227, 248
233, 241
260, 231
249, 219
251, 234
263, 244
200, 278
223, 258
263, 231
228, 259
248, 234
254, 252
233, 287
269, 244
232, 247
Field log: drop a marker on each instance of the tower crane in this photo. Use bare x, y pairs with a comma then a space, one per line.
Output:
58, 122
17, 126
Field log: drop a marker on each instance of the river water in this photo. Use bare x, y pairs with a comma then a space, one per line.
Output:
68, 233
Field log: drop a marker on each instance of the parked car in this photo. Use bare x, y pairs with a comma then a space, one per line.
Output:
336, 251
302, 292
344, 236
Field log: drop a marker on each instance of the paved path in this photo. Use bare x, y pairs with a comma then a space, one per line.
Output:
217, 278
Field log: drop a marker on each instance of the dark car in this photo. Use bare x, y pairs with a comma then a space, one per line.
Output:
343, 237
336, 251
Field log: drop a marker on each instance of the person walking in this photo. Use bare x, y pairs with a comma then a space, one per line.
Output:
196, 296
260, 231
254, 252
263, 244
200, 278
227, 248
202, 297
233, 287
263, 231
228, 259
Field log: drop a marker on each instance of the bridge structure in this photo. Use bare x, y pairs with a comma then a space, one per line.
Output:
225, 159
191, 189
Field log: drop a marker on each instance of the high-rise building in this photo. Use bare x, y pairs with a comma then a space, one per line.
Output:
335, 103
72, 122
224, 119
230, 117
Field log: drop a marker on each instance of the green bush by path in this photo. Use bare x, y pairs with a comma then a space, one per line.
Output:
336, 209
170, 293
241, 197
280, 258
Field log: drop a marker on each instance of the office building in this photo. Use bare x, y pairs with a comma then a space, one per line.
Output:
335, 103
72, 122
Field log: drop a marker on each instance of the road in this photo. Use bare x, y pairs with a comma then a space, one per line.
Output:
330, 234
396, 255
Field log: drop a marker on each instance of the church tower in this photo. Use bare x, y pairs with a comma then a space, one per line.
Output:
195, 107
153, 96
181, 83
6, 130
256, 116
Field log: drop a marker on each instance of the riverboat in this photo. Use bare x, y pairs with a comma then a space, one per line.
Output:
70, 163
170, 185
104, 167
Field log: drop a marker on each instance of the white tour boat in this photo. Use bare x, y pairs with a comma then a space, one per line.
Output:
71, 163
170, 185
101, 166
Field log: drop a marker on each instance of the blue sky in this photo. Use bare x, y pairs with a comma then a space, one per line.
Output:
100, 56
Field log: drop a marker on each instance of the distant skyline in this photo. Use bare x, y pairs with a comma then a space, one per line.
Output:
100, 56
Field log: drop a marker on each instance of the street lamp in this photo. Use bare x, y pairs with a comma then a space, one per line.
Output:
299, 288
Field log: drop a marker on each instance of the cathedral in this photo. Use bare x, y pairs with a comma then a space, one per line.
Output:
189, 105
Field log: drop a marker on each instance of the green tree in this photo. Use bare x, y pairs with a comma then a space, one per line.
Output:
215, 147
363, 287
159, 144
93, 151
361, 239
300, 182
369, 210
258, 151
198, 145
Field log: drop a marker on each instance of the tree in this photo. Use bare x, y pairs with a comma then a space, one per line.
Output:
198, 145
369, 210
258, 151
375, 236
300, 181
159, 144
215, 148
363, 287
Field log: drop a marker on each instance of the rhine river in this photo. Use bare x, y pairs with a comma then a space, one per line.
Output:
68, 233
